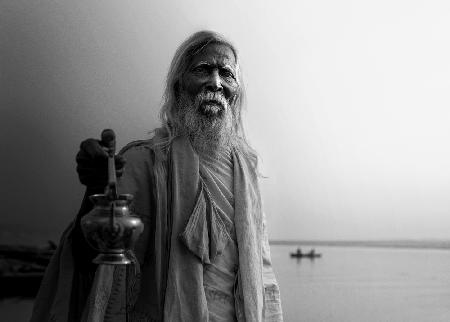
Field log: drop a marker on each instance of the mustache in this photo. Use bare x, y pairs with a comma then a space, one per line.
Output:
208, 97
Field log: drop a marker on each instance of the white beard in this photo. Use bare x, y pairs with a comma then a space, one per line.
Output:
207, 121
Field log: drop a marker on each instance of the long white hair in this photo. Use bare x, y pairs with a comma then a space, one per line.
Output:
179, 66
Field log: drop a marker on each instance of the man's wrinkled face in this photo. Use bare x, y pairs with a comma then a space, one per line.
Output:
206, 100
211, 81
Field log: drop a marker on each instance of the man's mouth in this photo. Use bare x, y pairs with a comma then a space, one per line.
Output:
211, 108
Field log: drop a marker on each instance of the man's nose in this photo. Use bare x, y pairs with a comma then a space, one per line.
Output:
214, 81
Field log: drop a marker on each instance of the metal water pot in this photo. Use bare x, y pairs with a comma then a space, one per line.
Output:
110, 227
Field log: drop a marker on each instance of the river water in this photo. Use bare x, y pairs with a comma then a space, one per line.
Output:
351, 284
347, 284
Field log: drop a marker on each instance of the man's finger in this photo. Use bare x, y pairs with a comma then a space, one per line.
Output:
119, 161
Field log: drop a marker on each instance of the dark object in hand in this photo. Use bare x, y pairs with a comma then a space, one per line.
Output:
110, 227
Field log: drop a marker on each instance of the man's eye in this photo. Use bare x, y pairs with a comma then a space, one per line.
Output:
200, 69
227, 73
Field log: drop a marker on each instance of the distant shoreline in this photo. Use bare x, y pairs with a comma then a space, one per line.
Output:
24, 235
414, 244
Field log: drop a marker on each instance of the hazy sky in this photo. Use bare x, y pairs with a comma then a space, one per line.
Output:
348, 105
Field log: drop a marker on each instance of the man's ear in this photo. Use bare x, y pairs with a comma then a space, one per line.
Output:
233, 100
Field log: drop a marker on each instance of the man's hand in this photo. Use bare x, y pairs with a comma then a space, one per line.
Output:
92, 161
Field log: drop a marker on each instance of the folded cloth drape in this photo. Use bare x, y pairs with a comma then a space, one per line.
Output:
185, 299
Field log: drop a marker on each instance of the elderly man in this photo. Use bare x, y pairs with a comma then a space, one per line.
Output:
204, 253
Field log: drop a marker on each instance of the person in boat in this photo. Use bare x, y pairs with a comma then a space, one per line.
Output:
299, 251
204, 253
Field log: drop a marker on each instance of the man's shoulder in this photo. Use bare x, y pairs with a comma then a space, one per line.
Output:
137, 145
157, 145
248, 155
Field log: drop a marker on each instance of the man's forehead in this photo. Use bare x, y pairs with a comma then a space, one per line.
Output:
215, 54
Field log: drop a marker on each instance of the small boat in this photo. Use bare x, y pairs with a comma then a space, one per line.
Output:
311, 254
